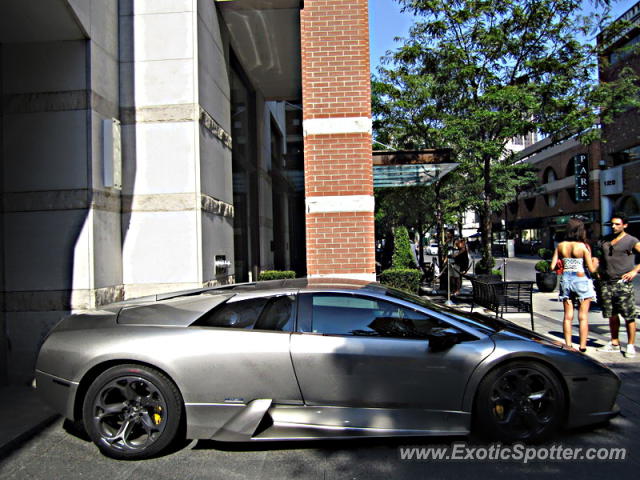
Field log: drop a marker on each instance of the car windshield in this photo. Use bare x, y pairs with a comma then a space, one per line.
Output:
476, 320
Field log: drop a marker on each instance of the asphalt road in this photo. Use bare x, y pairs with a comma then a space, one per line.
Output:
56, 454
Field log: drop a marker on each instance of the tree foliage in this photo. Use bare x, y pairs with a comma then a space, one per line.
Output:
473, 74
402, 257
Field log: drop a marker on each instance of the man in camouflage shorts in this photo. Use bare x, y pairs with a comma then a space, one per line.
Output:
617, 297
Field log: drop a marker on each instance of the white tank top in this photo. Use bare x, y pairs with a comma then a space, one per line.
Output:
573, 264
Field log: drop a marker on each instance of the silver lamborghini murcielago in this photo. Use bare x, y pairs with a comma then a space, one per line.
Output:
310, 359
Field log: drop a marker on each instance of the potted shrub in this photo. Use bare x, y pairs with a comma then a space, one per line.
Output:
545, 279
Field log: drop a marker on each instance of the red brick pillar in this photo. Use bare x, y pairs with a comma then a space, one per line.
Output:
336, 94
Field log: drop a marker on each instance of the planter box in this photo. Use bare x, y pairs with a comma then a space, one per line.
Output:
546, 281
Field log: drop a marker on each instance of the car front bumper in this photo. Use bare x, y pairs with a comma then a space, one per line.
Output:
592, 399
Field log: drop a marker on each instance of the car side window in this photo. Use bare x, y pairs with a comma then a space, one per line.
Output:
278, 315
264, 313
242, 314
336, 314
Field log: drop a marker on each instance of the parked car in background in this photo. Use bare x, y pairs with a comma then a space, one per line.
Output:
432, 249
310, 359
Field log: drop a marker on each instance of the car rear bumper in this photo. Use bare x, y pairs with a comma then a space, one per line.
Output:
56, 392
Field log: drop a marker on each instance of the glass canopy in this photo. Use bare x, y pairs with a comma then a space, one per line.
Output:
385, 176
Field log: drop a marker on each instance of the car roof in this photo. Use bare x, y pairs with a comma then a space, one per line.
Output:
260, 287
309, 283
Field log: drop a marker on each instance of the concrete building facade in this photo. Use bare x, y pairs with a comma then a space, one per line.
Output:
153, 145
621, 146
539, 216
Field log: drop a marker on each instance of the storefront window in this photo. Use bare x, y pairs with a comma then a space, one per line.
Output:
532, 235
244, 178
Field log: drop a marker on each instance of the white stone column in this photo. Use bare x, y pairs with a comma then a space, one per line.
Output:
177, 199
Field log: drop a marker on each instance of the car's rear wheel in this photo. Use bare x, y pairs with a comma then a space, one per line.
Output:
520, 401
132, 412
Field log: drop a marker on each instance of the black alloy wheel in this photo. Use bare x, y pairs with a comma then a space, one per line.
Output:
521, 401
132, 412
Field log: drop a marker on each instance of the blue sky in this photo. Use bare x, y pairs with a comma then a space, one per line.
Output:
386, 22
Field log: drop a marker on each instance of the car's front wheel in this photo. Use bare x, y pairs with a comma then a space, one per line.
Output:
520, 401
132, 412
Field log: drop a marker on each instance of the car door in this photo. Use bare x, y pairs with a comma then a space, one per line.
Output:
363, 352
239, 352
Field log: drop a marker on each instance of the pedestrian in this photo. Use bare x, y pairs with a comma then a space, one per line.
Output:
575, 285
617, 271
447, 280
460, 265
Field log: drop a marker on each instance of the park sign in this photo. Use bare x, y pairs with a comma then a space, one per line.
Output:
581, 164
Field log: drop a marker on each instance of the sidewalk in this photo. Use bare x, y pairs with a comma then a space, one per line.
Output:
548, 315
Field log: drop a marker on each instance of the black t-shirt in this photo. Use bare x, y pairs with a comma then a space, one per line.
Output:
461, 260
620, 258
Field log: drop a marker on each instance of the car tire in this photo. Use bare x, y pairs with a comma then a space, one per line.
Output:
132, 412
520, 402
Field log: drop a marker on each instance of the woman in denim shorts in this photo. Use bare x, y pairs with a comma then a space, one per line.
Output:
574, 283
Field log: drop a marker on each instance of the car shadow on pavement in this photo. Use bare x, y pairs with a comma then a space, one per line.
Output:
327, 445
567, 436
75, 429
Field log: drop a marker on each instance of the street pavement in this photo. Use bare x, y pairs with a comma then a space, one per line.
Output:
36, 444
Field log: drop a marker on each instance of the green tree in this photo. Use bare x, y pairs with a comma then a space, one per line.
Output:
411, 207
473, 74
402, 257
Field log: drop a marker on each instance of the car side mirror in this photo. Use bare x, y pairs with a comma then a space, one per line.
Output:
441, 339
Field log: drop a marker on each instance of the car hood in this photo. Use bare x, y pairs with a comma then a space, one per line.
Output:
512, 330
178, 312
504, 328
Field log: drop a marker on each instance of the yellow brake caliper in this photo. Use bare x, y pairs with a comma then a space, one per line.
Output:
157, 416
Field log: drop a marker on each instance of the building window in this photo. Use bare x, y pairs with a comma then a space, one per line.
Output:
629, 205
530, 139
551, 199
549, 175
624, 51
625, 156
530, 203
571, 168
